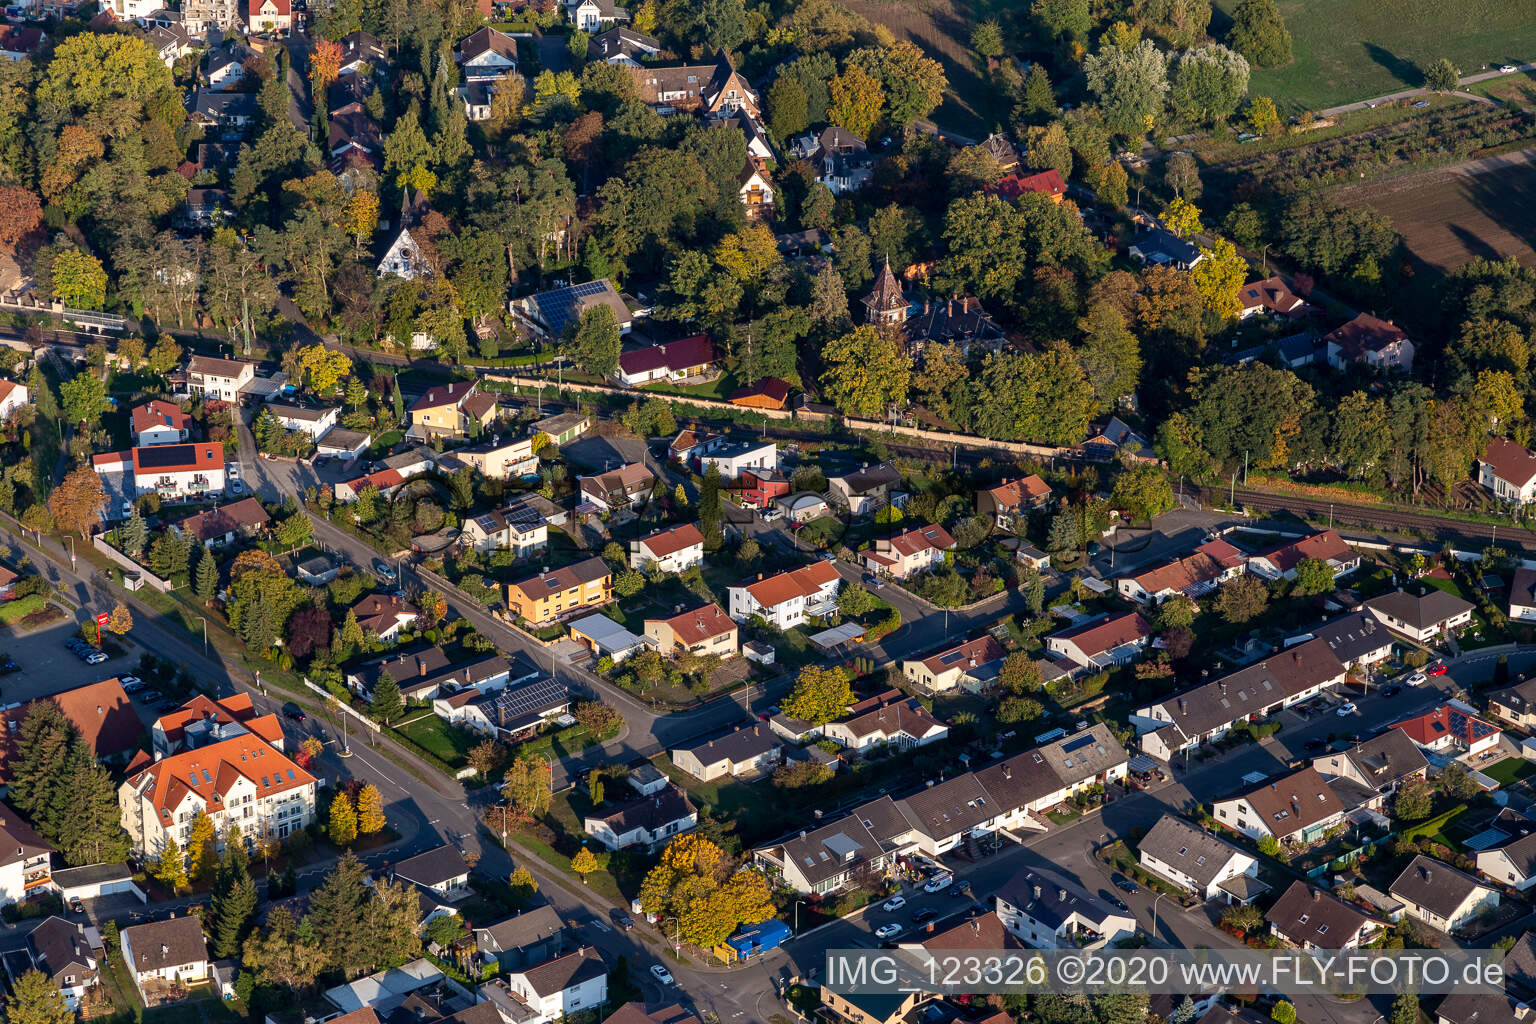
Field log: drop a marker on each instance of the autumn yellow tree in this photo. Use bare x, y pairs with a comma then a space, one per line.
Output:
584, 863
360, 216
370, 810
120, 620
709, 895
343, 824
857, 101
819, 695
748, 255
76, 503
433, 607
79, 280
325, 65
1182, 217
1219, 276
201, 843
324, 367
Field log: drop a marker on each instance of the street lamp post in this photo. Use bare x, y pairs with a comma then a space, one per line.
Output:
205, 634
797, 915
1155, 901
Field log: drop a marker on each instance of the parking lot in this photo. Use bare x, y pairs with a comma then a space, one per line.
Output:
48, 667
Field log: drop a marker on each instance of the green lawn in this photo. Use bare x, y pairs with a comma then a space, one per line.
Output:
1509, 770
11, 611
1349, 50
447, 742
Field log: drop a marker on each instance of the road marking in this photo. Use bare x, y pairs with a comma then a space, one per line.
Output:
599, 925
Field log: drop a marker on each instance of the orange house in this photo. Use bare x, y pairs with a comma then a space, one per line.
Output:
768, 393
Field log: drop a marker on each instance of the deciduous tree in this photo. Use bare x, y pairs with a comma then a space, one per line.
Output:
370, 810
76, 503
1259, 33
695, 883
819, 695
37, 1000
79, 280
856, 101
342, 827
868, 372
1131, 86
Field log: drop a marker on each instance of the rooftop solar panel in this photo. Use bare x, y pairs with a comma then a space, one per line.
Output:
529, 699
164, 455
1078, 744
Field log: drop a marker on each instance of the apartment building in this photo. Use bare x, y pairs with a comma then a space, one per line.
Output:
552, 595
223, 379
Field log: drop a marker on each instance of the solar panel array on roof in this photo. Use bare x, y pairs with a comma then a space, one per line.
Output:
168, 455
1086, 739
516, 701
560, 307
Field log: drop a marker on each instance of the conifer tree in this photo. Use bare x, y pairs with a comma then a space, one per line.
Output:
88, 827
386, 703
206, 583
370, 810
233, 907
37, 773
343, 826
171, 872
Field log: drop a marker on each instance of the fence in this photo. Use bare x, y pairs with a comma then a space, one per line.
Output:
130, 566
329, 699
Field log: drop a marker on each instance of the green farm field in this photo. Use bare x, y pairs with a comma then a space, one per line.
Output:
1349, 50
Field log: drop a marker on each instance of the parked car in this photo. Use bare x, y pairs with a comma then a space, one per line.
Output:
165, 707
128, 681
1113, 900
293, 711
661, 974
1346, 709
939, 883
1417, 679
1315, 745
150, 696
924, 916
1437, 669
384, 570
888, 931
621, 919
8, 665
1507, 69
894, 903
1125, 884
75, 906
95, 658
1391, 691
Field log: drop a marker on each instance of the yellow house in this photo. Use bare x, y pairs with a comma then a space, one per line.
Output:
502, 459
448, 410
547, 597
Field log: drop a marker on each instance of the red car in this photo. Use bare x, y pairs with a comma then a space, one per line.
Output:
1436, 670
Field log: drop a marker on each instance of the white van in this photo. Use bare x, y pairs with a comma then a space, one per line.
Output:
938, 883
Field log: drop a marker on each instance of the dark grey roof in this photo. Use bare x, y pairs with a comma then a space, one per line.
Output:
91, 874
1521, 697
1194, 851
1421, 612
169, 943
648, 812
223, 105
1051, 898
1382, 761
433, 867
1307, 915
519, 930
1433, 885
1520, 965
1163, 243
565, 971
1520, 848
866, 832
745, 744
1253, 688
952, 807
872, 478
59, 946
1485, 1007
1353, 636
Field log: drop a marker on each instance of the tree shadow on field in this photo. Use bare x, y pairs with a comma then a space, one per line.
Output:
1474, 245
1508, 198
1404, 70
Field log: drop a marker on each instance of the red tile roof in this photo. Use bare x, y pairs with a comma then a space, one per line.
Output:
1445, 720
1011, 493
670, 541
205, 455
1510, 462
699, 625
802, 582
697, 350
1325, 546
212, 771
1101, 635
156, 413
1045, 183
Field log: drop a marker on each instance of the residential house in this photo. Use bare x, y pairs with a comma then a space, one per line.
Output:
875, 1007
1270, 297
443, 871
203, 720
1421, 617
487, 54
984, 931
1001, 149
948, 669
1115, 439
1379, 344
887, 719
623, 46
561, 429
1522, 596
1165, 249
223, 379
604, 637
1047, 183
1509, 471
204, 207
1045, 910
1515, 704
759, 145
154, 422
593, 16
385, 615
64, 952
530, 937
225, 69
546, 314
760, 488
176, 472
1100, 642
311, 420
269, 15
840, 159
1511, 860
907, 554
1327, 546
1358, 639
501, 458
26, 857
755, 191
387, 482
767, 393
1315, 921
170, 42
705, 630
230, 111
18, 42
1196, 860
648, 821
824, 860
1440, 896
353, 135
1452, 728
788, 598
510, 713
224, 525
452, 411
748, 751
1194, 576
520, 528
242, 780
423, 672
675, 361
960, 321
1011, 499
558, 988
198, 16
731, 458
1380, 765
362, 52
625, 487
13, 396
160, 955
715, 90
867, 490
803, 507
1483, 1006
672, 550
1295, 808
553, 595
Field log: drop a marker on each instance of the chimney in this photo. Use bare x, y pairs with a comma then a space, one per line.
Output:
1316, 895
949, 308
1061, 894
421, 666
965, 304
1037, 892
1007, 771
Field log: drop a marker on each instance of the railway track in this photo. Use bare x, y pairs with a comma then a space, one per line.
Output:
1387, 519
